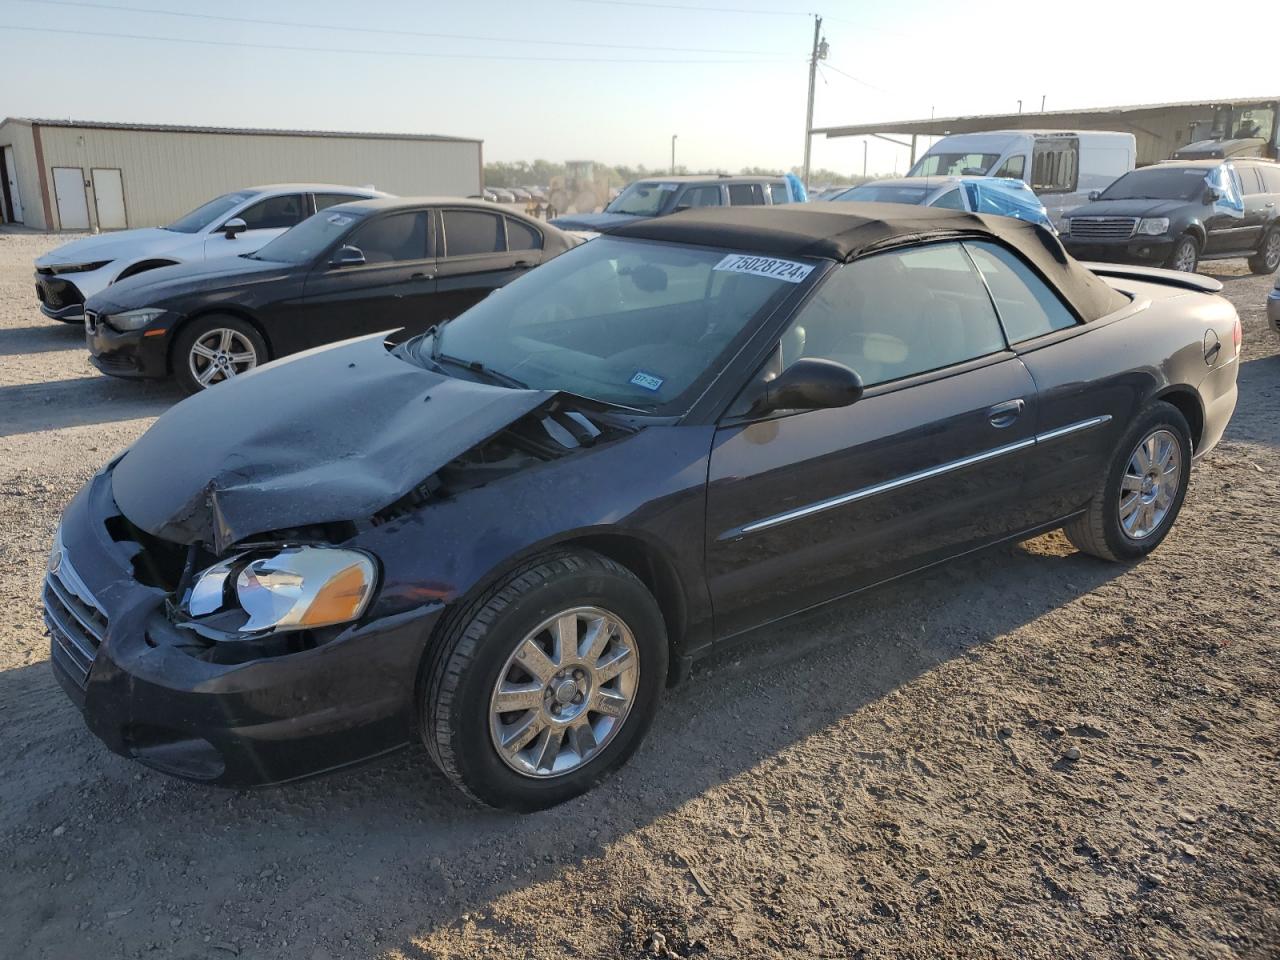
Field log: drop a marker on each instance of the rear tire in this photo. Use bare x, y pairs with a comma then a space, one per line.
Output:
1138, 499
1267, 259
215, 348
557, 745
1185, 255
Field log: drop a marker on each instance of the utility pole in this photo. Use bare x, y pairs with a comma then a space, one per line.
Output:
673, 154
864, 158
1019, 106
1042, 97
819, 53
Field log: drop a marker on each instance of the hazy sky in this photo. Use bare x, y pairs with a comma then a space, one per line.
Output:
608, 80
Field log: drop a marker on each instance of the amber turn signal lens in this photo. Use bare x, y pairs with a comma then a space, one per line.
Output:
339, 600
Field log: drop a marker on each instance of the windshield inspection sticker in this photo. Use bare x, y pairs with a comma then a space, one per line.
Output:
648, 381
339, 219
787, 270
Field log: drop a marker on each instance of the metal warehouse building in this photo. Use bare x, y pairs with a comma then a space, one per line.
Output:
71, 175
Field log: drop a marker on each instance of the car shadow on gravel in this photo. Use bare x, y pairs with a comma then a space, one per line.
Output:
41, 338
57, 404
395, 851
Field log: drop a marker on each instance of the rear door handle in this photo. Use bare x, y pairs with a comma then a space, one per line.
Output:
1004, 414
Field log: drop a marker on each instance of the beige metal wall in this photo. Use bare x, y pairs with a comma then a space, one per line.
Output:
166, 174
18, 135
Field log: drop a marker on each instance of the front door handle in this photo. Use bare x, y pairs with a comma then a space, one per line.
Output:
1004, 414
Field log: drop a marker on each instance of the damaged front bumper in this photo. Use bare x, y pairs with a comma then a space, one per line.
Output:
151, 692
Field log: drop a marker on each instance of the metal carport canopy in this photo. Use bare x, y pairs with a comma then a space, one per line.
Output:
1091, 118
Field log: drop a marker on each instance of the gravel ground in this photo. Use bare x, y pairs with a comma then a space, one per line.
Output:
891, 777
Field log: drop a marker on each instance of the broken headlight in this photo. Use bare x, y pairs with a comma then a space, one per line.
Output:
292, 588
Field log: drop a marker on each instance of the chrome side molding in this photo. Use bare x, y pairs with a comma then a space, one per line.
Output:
853, 496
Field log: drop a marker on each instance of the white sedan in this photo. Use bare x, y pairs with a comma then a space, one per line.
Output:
232, 224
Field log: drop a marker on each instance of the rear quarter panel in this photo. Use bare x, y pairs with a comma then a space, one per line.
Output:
1116, 367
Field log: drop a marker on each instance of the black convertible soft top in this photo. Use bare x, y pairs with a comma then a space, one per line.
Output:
844, 231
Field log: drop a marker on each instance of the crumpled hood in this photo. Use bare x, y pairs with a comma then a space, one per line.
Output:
134, 244
1130, 208
329, 435
594, 221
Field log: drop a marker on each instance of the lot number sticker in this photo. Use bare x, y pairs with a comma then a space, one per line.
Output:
787, 270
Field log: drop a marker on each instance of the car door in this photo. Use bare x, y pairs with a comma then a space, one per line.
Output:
1224, 217
391, 289
807, 506
1082, 408
264, 220
1249, 235
480, 252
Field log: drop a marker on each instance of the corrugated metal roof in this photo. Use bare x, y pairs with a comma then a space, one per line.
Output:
973, 123
241, 131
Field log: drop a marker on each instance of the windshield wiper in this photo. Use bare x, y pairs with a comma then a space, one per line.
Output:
475, 366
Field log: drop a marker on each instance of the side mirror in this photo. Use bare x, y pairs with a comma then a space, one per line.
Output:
1094, 195
234, 227
347, 256
809, 384
1211, 195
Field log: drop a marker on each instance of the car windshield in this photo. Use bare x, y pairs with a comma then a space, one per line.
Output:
635, 323
642, 199
309, 238
202, 216
954, 165
883, 193
1176, 183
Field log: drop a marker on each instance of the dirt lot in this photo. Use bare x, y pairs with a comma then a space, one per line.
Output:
888, 778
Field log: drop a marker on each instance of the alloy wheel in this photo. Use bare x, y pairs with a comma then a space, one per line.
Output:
1271, 253
564, 692
221, 354
1150, 484
1185, 258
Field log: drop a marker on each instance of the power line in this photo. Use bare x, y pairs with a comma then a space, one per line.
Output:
376, 53
866, 83
121, 8
685, 6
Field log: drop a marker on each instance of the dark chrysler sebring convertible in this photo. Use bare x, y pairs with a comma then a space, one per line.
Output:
505, 536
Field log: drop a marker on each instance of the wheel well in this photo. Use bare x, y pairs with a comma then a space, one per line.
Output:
1188, 404
231, 312
1196, 233
654, 571
144, 265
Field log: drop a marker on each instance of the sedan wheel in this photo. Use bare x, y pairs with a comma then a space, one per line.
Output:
1151, 481
220, 355
546, 682
1138, 497
564, 692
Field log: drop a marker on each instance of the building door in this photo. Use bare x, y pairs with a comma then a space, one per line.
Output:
73, 205
11, 185
108, 198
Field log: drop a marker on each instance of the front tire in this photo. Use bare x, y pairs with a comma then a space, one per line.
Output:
215, 348
1267, 259
1141, 493
545, 683
1185, 255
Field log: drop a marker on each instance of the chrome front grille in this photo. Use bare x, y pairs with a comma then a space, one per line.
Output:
1103, 228
77, 624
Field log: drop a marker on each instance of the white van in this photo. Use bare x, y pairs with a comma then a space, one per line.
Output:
1062, 166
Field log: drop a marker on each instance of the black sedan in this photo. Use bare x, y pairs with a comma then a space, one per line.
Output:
351, 269
505, 536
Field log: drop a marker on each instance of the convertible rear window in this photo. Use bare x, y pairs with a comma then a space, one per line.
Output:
631, 322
